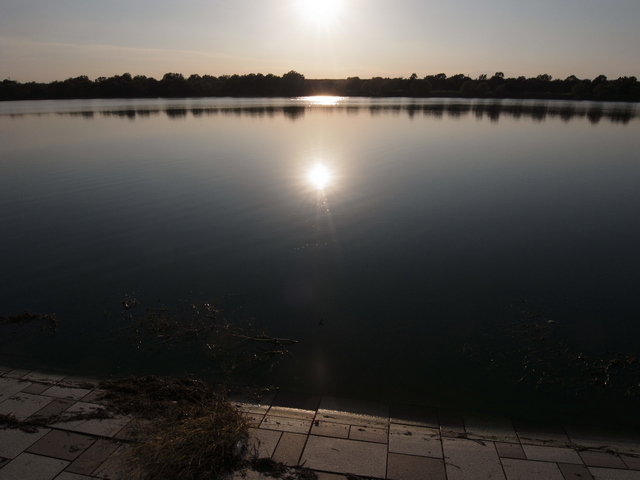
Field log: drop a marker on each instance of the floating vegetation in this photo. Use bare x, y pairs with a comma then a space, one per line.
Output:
46, 321
541, 358
233, 347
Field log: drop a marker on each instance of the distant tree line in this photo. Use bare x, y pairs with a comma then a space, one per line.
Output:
293, 84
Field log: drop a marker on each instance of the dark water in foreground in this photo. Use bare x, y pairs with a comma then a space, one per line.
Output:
467, 253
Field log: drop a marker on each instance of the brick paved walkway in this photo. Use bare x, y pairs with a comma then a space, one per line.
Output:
338, 438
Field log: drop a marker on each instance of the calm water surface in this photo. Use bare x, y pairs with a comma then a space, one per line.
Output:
455, 247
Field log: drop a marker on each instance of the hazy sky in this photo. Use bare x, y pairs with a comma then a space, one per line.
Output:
45, 40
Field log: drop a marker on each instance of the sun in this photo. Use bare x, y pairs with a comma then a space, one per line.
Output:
319, 176
320, 11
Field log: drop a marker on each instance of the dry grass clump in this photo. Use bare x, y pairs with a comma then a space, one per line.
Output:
194, 433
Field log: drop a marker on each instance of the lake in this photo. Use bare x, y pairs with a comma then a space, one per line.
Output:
476, 253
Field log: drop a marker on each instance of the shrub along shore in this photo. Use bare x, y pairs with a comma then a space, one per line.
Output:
291, 84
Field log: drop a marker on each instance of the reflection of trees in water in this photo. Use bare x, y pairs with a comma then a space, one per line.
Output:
537, 111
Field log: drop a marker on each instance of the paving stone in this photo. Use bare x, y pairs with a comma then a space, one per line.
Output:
283, 424
14, 441
510, 450
330, 429
88, 383
94, 396
68, 420
407, 467
470, 460
358, 407
11, 386
32, 467
73, 476
254, 419
133, 430
23, 405
620, 442
601, 459
451, 422
115, 467
36, 388
62, 445
4, 461
91, 458
551, 454
290, 448
575, 472
51, 410
17, 373
348, 418
491, 427
600, 473
329, 476
414, 415
339, 455
262, 443
541, 434
296, 400
412, 440
44, 377
70, 393
529, 470
248, 405
369, 434
107, 427
631, 462
292, 413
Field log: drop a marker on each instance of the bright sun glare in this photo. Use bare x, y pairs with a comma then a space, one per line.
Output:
319, 176
320, 11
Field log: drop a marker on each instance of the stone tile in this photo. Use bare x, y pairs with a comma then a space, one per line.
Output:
541, 434
358, 407
62, 445
17, 373
91, 458
69, 393
529, 470
296, 400
490, 427
44, 377
23, 405
115, 467
406, 467
88, 383
602, 459
369, 434
352, 419
290, 448
631, 462
4, 461
291, 413
340, 456
94, 396
470, 460
248, 405
73, 476
68, 420
551, 454
600, 473
36, 388
414, 415
51, 410
412, 440
11, 386
283, 424
451, 422
329, 429
329, 476
107, 427
510, 450
262, 443
619, 442
254, 419
32, 467
575, 472
133, 430
14, 441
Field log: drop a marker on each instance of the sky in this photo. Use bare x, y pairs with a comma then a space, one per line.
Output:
47, 40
